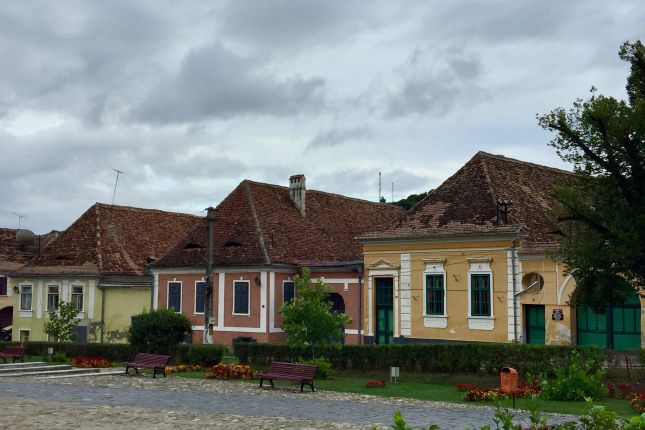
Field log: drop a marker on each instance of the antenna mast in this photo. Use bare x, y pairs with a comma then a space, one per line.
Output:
392, 201
20, 217
118, 172
379, 187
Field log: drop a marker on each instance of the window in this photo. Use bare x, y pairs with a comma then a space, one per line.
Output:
288, 291
53, 296
3, 285
81, 334
174, 296
77, 297
24, 336
241, 297
25, 297
435, 294
200, 292
480, 295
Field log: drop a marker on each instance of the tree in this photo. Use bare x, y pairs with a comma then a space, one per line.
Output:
603, 208
308, 318
62, 322
158, 331
410, 201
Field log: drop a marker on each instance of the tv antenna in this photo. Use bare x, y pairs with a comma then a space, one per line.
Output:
118, 172
20, 217
379, 186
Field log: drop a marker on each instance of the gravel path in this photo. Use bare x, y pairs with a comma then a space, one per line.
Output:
105, 402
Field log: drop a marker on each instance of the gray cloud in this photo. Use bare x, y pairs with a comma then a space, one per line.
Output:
336, 137
214, 82
435, 83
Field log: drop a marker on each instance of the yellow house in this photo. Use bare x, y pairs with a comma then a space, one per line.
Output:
99, 265
471, 262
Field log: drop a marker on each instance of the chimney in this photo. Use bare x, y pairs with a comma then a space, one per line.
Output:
297, 192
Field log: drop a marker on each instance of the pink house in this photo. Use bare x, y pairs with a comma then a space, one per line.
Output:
263, 235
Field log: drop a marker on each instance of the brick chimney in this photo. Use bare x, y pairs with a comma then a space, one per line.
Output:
297, 192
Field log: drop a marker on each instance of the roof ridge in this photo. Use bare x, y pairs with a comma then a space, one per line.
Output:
324, 192
140, 209
258, 228
489, 183
515, 160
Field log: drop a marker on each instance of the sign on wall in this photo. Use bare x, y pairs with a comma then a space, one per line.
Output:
557, 315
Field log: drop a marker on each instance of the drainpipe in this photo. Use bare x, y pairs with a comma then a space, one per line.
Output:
102, 326
208, 294
360, 304
515, 337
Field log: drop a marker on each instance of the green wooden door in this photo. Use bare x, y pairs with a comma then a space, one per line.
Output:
535, 324
618, 327
384, 310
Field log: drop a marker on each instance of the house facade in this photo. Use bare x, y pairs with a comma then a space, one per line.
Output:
17, 248
471, 262
99, 265
263, 235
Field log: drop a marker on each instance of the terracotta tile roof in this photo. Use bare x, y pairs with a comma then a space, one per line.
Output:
14, 254
112, 240
466, 203
258, 224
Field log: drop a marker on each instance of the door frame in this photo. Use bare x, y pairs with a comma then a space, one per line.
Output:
376, 308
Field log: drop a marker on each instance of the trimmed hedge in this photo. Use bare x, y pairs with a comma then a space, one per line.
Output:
462, 357
112, 351
206, 355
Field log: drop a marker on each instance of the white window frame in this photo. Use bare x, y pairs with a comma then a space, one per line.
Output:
7, 285
248, 295
294, 289
195, 302
181, 294
481, 266
435, 267
47, 308
71, 296
20, 309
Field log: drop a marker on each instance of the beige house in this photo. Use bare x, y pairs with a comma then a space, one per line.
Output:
471, 262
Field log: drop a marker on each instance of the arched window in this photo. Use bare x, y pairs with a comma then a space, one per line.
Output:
338, 304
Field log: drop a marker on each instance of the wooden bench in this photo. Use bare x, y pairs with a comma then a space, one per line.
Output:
15, 352
303, 373
149, 361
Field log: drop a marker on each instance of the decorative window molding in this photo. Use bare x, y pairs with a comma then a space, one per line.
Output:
241, 306
288, 291
480, 302
26, 298
174, 295
200, 296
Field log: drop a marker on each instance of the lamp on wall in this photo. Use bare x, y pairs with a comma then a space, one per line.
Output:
257, 281
16, 289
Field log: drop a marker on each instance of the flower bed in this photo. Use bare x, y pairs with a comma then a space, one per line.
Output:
373, 383
475, 393
227, 371
184, 368
88, 362
638, 402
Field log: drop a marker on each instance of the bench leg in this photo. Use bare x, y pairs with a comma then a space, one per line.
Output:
302, 385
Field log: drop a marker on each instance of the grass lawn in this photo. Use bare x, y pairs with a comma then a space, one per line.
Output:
440, 388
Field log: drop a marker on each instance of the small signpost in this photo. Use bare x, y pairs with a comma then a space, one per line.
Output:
557, 315
394, 374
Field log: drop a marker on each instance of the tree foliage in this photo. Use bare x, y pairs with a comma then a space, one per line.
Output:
603, 208
410, 201
158, 331
62, 322
308, 318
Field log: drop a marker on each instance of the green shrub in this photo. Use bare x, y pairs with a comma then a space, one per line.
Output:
58, 358
465, 357
113, 351
324, 367
159, 331
577, 381
206, 355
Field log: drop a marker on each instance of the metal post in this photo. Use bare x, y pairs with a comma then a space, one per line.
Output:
208, 293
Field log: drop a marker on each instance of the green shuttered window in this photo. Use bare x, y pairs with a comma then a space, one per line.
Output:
480, 295
435, 293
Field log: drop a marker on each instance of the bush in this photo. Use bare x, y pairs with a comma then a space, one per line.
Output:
91, 362
324, 367
205, 355
462, 357
577, 381
228, 371
58, 358
112, 351
159, 331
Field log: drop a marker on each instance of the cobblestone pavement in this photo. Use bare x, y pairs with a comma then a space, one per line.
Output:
144, 402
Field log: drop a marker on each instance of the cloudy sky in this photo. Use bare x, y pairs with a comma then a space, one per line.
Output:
190, 100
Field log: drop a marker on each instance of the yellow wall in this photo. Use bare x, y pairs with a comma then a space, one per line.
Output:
120, 305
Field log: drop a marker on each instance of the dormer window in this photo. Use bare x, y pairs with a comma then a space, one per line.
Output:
502, 211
